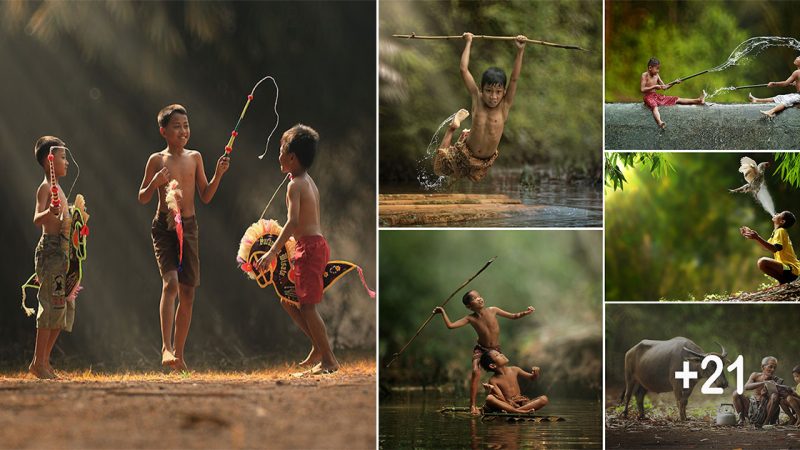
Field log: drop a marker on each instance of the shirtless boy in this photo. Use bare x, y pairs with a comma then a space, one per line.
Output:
783, 101
298, 148
651, 82
503, 393
185, 166
476, 150
484, 321
54, 313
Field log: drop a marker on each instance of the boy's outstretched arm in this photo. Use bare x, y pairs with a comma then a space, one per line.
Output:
152, 179
469, 82
751, 234
533, 375
512, 83
293, 204
450, 325
205, 188
788, 82
518, 315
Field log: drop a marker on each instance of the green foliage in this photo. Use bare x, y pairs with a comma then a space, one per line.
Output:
556, 118
789, 167
616, 162
678, 33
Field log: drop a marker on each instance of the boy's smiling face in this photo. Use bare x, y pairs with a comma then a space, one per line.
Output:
492, 94
477, 302
653, 70
177, 133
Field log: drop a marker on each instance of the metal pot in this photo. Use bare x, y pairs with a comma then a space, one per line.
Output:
726, 414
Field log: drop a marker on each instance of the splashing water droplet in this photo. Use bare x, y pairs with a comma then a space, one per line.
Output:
427, 179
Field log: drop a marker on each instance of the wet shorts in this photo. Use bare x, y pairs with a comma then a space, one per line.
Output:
459, 162
167, 248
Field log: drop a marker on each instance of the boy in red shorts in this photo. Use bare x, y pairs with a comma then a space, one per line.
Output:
298, 147
651, 82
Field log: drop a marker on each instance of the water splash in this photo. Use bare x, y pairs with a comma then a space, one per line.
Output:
721, 90
427, 179
748, 49
754, 46
765, 199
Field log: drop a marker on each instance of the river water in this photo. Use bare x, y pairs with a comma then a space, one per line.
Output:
554, 202
412, 420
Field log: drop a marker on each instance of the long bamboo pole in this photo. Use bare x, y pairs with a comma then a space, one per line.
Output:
686, 78
494, 38
396, 355
750, 86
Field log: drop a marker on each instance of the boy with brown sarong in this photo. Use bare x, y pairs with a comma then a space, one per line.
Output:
298, 148
503, 392
180, 271
54, 313
476, 150
484, 321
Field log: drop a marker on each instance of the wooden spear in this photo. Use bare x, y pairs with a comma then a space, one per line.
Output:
396, 355
495, 38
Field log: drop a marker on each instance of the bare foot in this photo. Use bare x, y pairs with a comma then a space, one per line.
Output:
750, 96
180, 365
703, 97
311, 360
768, 114
460, 115
474, 410
168, 358
662, 125
41, 372
320, 369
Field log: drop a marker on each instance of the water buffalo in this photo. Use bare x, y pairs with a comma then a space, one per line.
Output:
651, 366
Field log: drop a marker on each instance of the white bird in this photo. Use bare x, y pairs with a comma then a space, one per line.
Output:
753, 174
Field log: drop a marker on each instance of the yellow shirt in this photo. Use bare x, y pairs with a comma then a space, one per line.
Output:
786, 254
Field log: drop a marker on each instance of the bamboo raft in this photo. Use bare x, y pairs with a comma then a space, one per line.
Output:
509, 417
435, 209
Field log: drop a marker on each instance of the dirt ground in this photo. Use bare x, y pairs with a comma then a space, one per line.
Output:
695, 433
268, 408
662, 429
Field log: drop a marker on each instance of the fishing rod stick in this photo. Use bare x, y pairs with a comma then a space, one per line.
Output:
758, 85
750, 86
494, 38
396, 355
690, 76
